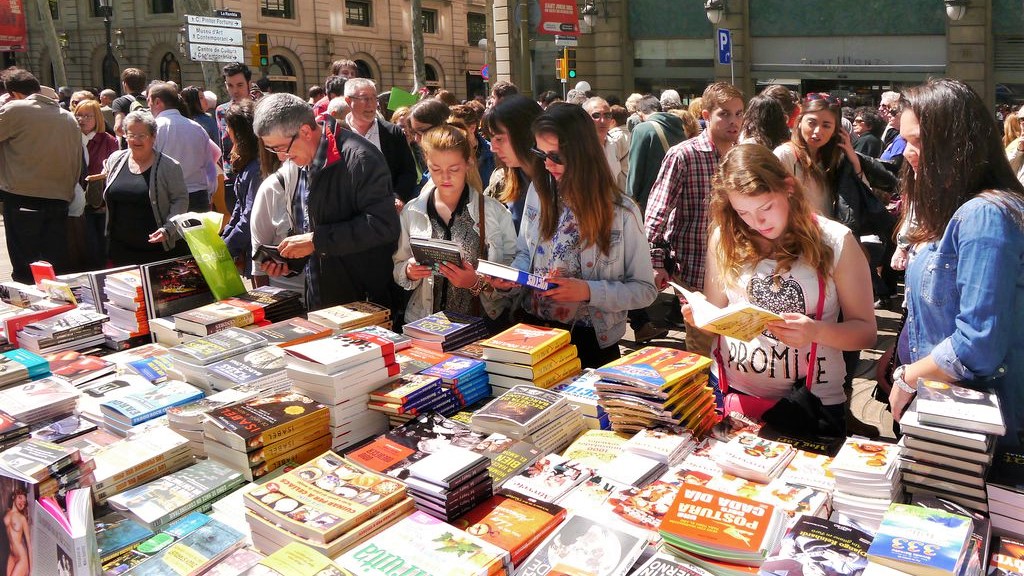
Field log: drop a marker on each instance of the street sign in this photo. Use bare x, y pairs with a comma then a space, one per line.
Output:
211, 35
215, 53
724, 46
228, 14
214, 21
485, 72
569, 41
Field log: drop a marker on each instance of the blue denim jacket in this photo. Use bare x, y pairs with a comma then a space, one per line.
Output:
965, 305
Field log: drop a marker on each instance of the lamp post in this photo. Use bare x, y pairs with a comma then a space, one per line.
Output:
110, 68
955, 9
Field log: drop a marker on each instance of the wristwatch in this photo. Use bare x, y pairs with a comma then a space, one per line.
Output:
897, 379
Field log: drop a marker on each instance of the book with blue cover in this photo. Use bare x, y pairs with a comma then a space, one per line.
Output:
153, 368
500, 271
922, 541
142, 406
457, 369
195, 552
35, 365
124, 543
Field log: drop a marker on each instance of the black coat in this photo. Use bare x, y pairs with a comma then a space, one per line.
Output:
396, 151
355, 227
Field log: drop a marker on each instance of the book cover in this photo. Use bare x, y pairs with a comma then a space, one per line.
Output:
1007, 557
449, 466
512, 521
524, 344
977, 552
407, 389
942, 404
740, 321
581, 392
173, 286
862, 458
136, 408
581, 545
344, 316
255, 367
169, 497
427, 546
644, 507
209, 349
519, 411
817, 544
36, 365
34, 459
331, 354
262, 421
500, 271
921, 540
456, 369
63, 538
755, 458
595, 448
63, 429
296, 559
508, 456
324, 498
654, 368
441, 326
666, 565
115, 534
292, 331
549, 478
138, 552
195, 552
433, 252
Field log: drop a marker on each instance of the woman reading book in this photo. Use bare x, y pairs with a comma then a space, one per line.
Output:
451, 209
584, 236
767, 247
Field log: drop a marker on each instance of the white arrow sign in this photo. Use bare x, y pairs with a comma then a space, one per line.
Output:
209, 35
215, 53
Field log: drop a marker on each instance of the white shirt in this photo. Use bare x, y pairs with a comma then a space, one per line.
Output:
373, 134
188, 143
616, 152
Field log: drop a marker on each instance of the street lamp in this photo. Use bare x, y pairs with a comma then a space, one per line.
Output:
110, 68
589, 13
714, 10
956, 9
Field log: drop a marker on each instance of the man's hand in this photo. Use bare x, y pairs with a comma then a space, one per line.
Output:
274, 268
660, 278
158, 236
298, 246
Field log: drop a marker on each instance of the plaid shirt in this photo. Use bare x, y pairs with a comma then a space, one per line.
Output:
677, 211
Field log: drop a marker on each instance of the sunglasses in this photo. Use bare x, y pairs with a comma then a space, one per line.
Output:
553, 156
828, 98
601, 115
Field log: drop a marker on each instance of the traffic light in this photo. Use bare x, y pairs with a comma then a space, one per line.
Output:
263, 50
570, 63
561, 70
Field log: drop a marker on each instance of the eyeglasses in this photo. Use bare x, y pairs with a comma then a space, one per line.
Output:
286, 151
601, 115
828, 98
553, 156
362, 98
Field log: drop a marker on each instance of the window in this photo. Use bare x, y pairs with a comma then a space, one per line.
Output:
54, 10
276, 8
162, 6
476, 27
430, 76
429, 18
357, 13
97, 9
170, 68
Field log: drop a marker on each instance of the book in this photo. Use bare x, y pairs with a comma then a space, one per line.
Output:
524, 344
549, 478
512, 521
21, 364
236, 563
666, 565
1007, 557
195, 552
595, 448
911, 424
520, 411
814, 543
296, 559
449, 466
39, 400
741, 321
77, 368
209, 349
924, 541
261, 421
173, 286
407, 389
35, 460
136, 408
132, 554
503, 272
422, 544
433, 252
167, 498
952, 406
263, 368
351, 315
19, 505
217, 316
292, 331
329, 355
581, 545
581, 392
116, 534
977, 553
755, 458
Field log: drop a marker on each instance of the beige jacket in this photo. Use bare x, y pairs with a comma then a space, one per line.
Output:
40, 149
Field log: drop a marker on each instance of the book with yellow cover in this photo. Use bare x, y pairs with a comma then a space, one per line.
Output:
324, 498
654, 368
742, 321
524, 344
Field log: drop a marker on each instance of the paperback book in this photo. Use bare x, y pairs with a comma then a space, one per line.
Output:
581, 545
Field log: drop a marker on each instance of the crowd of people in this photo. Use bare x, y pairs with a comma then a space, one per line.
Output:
793, 203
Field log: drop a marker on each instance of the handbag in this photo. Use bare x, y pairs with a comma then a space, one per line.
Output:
858, 207
799, 413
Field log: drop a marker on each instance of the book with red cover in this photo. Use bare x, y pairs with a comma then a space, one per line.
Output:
524, 344
512, 521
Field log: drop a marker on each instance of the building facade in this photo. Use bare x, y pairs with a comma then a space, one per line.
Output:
305, 36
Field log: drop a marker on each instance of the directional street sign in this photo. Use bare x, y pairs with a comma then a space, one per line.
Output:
215, 53
214, 21
569, 41
211, 35
215, 38
724, 46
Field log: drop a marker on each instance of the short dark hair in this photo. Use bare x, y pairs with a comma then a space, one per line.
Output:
20, 80
166, 93
874, 122
547, 97
316, 91
337, 65
134, 80
504, 89
236, 68
649, 104
334, 85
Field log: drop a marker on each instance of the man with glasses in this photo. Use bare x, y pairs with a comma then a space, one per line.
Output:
361, 96
614, 141
342, 211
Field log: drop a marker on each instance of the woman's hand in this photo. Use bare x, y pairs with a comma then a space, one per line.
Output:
158, 236
415, 272
298, 246
899, 259
499, 283
687, 312
460, 277
567, 289
795, 330
898, 402
846, 144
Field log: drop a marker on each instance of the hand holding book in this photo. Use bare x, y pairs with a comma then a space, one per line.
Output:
741, 321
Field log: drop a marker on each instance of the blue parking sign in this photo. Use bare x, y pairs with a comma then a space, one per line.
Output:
724, 46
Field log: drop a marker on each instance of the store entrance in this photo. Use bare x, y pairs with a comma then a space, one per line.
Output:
852, 93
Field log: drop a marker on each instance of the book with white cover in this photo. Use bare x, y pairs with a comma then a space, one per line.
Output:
953, 406
755, 458
911, 424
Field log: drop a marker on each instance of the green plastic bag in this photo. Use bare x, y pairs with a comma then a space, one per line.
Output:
202, 233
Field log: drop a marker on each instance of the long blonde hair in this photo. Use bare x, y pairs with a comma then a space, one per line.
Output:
449, 138
1011, 128
753, 170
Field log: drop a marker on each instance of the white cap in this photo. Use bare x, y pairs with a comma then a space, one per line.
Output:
583, 86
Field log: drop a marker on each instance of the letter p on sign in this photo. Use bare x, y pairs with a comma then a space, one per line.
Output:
724, 46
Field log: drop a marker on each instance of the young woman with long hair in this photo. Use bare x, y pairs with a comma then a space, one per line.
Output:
582, 234
965, 305
508, 125
764, 123
768, 247
452, 208
245, 164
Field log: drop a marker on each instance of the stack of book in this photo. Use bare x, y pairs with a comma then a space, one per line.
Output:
867, 480
192, 358
97, 392
259, 435
173, 286
259, 306
1005, 489
581, 392
76, 368
513, 522
43, 400
125, 304
540, 417
121, 414
978, 549
596, 448
11, 431
919, 540
19, 365
169, 497
328, 504
292, 331
445, 331
667, 445
550, 478
465, 377
340, 372
657, 387
583, 545
721, 531
449, 482
423, 544
948, 439
632, 469
754, 458
263, 369
129, 462
72, 330
196, 552
352, 315
50, 468
810, 541
188, 419
408, 396
529, 355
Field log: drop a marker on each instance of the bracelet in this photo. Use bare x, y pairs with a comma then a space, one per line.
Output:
480, 286
897, 379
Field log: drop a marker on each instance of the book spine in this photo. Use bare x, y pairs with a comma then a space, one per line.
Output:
144, 465
281, 431
102, 492
465, 475
234, 322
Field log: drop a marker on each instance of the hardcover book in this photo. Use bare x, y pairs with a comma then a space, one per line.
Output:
923, 541
261, 421
502, 272
581, 545
433, 252
524, 344
953, 406
324, 498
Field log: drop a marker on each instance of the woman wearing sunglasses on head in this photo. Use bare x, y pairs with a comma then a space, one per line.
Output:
584, 236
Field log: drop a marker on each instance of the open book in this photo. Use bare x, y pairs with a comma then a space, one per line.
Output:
741, 321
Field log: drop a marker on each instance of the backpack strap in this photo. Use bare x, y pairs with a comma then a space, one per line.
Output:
661, 136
